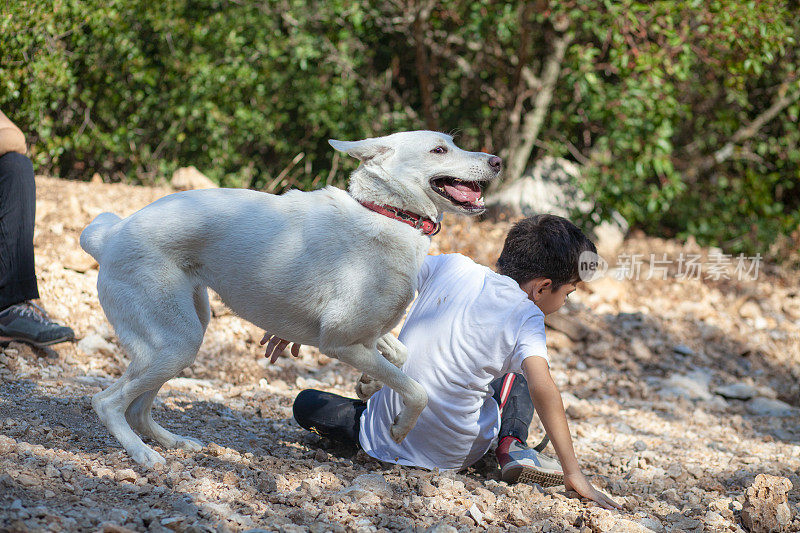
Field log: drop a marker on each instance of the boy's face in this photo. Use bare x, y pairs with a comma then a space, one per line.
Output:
540, 291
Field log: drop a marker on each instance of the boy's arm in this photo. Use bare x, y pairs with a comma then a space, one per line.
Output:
11, 137
547, 401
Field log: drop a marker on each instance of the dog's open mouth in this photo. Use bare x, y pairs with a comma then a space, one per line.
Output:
464, 194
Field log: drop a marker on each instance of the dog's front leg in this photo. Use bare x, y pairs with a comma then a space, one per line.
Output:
395, 352
372, 363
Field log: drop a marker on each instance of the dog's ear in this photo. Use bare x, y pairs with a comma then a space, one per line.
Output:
367, 150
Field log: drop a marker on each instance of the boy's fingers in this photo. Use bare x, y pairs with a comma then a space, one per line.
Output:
607, 502
265, 338
295, 349
270, 352
280, 345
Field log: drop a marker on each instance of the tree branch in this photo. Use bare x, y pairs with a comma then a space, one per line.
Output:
521, 146
744, 133
423, 66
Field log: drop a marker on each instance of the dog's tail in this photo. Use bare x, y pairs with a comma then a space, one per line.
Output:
94, 237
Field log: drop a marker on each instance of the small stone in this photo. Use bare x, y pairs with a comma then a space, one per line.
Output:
750, 310
769, 407
765, 507
651, 524
639, 446
476, 514
674, 470
28, 480
640, 349
79, 261
682, 349
109, 527
51, 471
692, 386
94, 344
737, 391
126, 474
175, 523
579, 410
426, 489
441, 527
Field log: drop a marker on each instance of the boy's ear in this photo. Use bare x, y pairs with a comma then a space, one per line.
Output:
545, 285
536, 287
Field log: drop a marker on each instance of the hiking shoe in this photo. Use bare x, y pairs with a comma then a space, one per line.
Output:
518, 463
27, 322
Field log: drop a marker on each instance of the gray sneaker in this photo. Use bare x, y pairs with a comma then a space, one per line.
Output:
27, 322
521, 464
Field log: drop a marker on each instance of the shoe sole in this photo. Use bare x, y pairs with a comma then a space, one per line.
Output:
5, 341
530, 475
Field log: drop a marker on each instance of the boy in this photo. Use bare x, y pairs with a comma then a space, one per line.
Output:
468, 327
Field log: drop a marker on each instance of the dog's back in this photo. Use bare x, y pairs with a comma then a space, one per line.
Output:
286, 263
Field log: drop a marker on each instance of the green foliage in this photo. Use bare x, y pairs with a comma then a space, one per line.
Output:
249, 92
659, 87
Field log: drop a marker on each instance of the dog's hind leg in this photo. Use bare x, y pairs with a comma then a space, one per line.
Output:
162, 335
111, 404
371, 362
395, 352
139, 413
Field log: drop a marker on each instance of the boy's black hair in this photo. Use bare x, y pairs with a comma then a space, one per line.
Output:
544, 246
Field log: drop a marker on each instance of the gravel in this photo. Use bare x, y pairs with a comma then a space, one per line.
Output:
647, 429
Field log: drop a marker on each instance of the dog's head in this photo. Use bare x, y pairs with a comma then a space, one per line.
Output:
420, 171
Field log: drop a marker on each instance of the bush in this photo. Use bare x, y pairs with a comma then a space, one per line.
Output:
655, 99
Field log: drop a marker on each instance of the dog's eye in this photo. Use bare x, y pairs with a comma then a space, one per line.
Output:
439, 150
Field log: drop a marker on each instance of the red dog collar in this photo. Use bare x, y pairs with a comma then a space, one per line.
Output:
428, 226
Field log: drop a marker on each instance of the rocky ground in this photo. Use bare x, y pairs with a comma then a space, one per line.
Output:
682, 395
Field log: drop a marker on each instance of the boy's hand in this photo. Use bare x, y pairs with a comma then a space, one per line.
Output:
581, 485
277, 345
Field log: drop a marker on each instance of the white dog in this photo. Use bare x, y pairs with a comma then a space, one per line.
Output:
327, 268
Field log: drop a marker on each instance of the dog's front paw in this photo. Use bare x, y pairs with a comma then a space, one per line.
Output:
367, 386
399, 429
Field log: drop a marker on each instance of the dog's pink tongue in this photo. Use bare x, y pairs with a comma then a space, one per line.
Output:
463, 191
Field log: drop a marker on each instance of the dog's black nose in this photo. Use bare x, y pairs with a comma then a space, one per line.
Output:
496, 163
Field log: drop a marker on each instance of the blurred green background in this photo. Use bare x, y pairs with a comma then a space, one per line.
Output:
683, 114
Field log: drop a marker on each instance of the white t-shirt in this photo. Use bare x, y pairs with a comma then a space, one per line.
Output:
467, 327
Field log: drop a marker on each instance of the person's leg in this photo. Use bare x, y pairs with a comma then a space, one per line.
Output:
516, 408
329, 415
17, 212
517, 461
20, 319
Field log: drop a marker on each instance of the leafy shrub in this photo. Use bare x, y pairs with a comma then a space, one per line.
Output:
654, 98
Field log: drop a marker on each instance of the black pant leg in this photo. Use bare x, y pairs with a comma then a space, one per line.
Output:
516, 414
329, 415
17, 212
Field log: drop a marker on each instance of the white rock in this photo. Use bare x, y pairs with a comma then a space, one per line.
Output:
692, 386
553, 186
769, 407
651, 524
441, 527
189, 178
368, 484
94, 344
190, 383
476, 514
737, 391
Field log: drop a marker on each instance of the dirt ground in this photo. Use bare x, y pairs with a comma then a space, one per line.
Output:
679, 392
